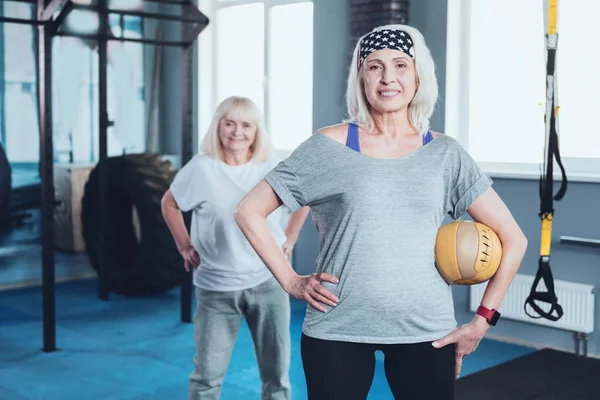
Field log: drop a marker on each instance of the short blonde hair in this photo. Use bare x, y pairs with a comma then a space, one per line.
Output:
422, 105
243, 108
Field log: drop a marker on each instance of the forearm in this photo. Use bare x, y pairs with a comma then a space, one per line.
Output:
256, 230
295, 224
513, 252
174, 220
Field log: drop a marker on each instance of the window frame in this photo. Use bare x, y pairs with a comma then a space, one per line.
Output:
578, 169
207, 43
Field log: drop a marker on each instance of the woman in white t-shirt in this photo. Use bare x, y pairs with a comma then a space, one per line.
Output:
231, 280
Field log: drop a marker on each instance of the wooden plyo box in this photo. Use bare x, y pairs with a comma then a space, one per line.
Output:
69, 185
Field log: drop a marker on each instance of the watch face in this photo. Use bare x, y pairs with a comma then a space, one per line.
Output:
495, 318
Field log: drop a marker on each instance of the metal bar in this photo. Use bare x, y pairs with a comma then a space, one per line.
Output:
152, 133
186, 155
175, 3
141, 14
64, 13
189, 32
103, 128
48, 12
122, 26
180, 3
20, 21
117, 39
580, 241
44, 83
2, 82
43, 16
268, 3
91, 91
36, 60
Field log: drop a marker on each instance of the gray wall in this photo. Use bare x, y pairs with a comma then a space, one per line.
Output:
429, 16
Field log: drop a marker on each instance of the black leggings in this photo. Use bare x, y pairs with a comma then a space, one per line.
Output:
344, 371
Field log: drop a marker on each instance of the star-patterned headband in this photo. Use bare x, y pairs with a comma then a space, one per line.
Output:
385, 39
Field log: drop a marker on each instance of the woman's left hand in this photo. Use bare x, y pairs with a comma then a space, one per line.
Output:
467, 338
288, 248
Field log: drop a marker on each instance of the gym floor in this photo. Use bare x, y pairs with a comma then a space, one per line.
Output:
137, 348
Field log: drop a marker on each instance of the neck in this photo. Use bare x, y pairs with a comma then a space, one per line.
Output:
393, 124
235, 157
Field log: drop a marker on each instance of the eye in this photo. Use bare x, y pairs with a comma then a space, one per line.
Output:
373, 67
246, 125
402, 65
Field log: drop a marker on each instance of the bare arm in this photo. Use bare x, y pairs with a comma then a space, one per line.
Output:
490, 210
174, 219
251, 216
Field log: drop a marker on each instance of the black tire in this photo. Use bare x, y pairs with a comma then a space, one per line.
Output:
153, 265
5, 189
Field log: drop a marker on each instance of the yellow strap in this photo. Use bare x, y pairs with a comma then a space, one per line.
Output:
552, 10
547, 218
546, 235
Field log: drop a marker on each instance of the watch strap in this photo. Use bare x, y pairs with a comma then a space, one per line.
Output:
491, 316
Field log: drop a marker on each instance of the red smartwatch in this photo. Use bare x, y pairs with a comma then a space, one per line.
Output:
491, 316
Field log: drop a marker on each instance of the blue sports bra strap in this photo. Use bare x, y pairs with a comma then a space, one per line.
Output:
428, 137
352, 139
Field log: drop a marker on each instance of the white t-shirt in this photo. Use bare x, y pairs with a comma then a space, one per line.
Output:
213, 189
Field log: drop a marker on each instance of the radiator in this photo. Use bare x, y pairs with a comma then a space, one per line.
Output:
576, 299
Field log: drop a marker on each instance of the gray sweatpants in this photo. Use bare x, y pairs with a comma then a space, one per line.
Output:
217, 321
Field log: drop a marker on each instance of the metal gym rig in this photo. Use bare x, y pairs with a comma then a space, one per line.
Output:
50, 16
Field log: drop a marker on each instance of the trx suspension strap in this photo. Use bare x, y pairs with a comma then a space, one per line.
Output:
551, 152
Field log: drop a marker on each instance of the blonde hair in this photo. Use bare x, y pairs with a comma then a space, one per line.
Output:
243, 108
422, 105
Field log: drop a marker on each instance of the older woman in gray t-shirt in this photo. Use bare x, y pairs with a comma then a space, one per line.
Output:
379, 187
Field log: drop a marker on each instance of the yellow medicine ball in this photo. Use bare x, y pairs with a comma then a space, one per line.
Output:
467, 253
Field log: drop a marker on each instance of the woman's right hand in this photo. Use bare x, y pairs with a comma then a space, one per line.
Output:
191, 258
309, 288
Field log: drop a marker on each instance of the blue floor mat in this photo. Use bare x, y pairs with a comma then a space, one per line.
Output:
132, 348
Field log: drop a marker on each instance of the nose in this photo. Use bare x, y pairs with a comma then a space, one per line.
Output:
387, 76
237, 131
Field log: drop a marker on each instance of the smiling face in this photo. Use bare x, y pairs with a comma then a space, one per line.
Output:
389, 79
237, 133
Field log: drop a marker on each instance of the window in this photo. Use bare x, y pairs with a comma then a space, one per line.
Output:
496, 85
76, 81
19, 104
262, 50
240, 52
290, 74
74, 89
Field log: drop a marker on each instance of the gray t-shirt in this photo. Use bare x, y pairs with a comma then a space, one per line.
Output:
377, 220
